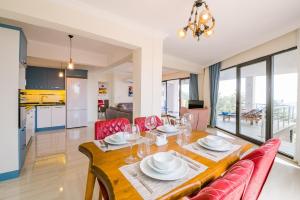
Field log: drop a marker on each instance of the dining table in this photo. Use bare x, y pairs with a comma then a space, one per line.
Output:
106, 165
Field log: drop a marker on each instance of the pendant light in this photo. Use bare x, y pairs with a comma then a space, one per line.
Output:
70, 64
61, 72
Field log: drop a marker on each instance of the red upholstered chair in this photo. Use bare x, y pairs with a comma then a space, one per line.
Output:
109, 127
230, 186
140, 122
263, 159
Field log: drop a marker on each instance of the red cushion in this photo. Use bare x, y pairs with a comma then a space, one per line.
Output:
263, 159
140, 122
230, 186
108, 127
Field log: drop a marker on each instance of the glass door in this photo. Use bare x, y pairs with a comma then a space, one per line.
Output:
285, 100
164, 98
184, 92
252, 101
226, 107
173, 97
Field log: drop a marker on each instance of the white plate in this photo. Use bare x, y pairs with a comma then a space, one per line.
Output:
110, 141
177, 164
165, 130
225, 147
219, 141
175, 175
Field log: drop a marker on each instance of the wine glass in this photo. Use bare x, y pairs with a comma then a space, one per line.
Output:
150, 123
132, 133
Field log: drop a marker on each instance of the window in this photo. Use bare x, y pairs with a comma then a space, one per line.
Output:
285, 72
226, 107
175, 93
257, 100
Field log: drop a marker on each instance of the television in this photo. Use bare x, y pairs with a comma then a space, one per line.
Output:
196, 104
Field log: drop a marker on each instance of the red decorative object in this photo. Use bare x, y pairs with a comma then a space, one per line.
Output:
263, 159
231, 186
109, 127
140, 121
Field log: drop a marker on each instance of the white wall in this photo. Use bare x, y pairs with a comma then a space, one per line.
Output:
120, 88
284, 42
9, 83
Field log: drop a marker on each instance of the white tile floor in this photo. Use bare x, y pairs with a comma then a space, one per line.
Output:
55, 169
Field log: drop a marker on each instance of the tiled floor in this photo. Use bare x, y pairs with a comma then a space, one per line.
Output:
55, 169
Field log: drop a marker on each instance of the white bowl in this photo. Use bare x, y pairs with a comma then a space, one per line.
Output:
163, 160
118, 137
168, 127
213, 140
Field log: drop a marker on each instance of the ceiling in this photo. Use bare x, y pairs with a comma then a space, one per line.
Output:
240, 25
55, 37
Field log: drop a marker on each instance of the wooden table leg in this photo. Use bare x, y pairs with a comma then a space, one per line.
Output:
90, 184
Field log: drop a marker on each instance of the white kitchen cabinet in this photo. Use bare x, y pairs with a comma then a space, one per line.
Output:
30, 124
44, 116
58, 116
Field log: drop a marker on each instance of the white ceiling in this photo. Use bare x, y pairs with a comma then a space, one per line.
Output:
240, 24
51, 36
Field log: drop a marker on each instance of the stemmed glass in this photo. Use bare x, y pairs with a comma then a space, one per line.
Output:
150, 124
132, 134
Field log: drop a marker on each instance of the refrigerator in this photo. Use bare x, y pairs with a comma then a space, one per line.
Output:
76, 102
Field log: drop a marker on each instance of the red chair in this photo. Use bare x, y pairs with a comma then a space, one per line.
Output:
140, 122
231, 186
109, 127
263, 159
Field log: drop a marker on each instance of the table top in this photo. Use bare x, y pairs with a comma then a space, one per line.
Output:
110, 162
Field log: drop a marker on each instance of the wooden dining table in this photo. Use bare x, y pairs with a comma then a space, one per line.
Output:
105, 165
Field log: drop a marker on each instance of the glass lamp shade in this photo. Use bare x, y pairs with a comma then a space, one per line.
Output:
71, 65
205, 16
208, 33
60, 74
181, 33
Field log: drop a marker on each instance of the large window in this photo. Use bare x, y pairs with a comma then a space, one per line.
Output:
175, 93
226, 107
257, 100
285, 100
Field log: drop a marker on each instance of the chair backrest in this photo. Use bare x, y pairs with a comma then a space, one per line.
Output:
200, 117
230, 186
140, 122
263, 159
109, 127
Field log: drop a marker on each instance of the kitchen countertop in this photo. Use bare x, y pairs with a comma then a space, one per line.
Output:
42, 104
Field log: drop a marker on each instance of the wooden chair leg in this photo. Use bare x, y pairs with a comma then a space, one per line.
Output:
90, 184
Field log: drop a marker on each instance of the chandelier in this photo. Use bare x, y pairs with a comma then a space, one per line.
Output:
200, 22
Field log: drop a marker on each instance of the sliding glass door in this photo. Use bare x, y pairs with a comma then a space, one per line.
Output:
285, 100
257, 100
252, 101
226, 107
175, 94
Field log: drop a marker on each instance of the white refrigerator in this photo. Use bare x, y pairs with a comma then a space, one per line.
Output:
76, 102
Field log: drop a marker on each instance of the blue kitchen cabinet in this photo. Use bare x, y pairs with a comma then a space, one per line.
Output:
77, 73
41, 78
23, 49
22, 147
55, 82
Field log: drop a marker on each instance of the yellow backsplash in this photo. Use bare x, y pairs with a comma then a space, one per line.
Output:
40, 96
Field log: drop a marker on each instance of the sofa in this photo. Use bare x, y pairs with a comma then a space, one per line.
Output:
122, 110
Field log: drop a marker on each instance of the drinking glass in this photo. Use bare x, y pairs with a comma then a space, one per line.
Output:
150, 123
132, 133
144, 148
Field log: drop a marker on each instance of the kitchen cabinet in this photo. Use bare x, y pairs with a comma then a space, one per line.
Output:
50, 117
30, 124
77, 73
22, 147
58, 116
23, 49
44, 117
41, 78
